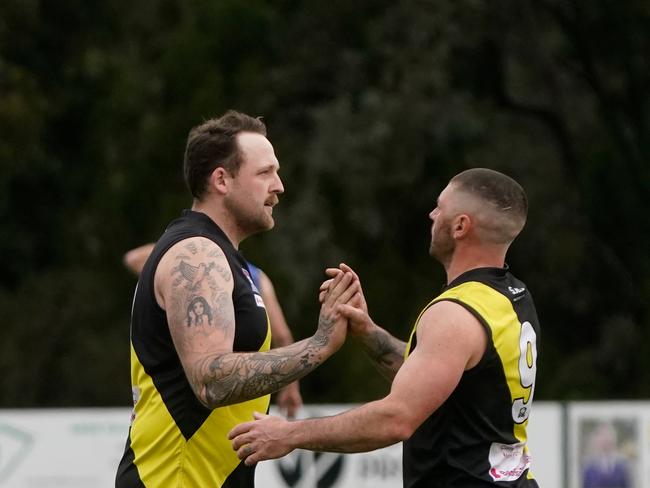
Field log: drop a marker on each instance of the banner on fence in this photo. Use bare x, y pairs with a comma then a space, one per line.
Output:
74, 448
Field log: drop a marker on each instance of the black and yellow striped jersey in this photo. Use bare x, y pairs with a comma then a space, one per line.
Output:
478, 436
174, 441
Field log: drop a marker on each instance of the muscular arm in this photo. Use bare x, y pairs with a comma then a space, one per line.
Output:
194, 285
385, 350
450, 340
227, 378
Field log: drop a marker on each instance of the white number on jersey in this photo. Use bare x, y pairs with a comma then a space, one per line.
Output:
527, 372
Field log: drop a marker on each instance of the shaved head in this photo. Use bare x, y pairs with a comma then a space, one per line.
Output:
497, 203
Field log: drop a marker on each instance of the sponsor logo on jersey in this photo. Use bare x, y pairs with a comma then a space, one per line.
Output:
508, 462
516, 291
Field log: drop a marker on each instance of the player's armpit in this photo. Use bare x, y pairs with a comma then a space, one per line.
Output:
194, 284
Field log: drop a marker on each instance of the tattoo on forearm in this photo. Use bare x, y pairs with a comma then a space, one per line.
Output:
237, 377
322, 336
386, 351
381, 347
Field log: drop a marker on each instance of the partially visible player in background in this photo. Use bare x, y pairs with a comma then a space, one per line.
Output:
288, 398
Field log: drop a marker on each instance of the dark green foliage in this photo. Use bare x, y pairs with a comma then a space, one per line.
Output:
371, 107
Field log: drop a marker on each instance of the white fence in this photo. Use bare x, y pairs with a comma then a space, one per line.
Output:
74, 448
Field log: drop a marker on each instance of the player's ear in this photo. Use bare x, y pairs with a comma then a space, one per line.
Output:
220, 180
461, 226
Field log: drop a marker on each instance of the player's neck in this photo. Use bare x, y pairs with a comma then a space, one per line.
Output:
222, 218
467, 258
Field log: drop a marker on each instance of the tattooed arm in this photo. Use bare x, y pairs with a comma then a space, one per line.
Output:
385, 350
194, 286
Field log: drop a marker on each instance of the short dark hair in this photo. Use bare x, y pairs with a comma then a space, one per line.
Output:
213, 144
502, 195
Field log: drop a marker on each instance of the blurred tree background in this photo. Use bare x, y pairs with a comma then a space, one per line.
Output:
371, 106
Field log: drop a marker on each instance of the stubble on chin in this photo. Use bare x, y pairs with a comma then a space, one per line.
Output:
260, 223
442, 249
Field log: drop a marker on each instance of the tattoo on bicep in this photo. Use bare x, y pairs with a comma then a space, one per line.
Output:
199, 312
222, 310
215, 312
198, 298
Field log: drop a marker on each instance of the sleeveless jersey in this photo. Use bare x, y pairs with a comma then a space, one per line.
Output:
477, 438
174, 441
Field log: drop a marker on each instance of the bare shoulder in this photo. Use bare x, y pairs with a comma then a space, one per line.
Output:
451, 326
191, 264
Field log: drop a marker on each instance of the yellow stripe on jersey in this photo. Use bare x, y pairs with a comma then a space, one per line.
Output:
162, 455
498, 313
153, 430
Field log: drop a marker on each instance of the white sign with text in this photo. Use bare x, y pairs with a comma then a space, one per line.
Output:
80, 448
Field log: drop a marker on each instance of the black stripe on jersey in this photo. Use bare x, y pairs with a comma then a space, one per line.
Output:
242, 475
179, 398
127, 472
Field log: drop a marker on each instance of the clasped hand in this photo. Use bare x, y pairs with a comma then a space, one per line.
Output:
356, 309
343, 289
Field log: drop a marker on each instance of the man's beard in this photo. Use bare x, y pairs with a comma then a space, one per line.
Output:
249, 222
442, 244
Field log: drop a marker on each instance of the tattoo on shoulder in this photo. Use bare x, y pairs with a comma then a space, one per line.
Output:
191, 247
224, 272
215, 253
205, 245
194, 275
